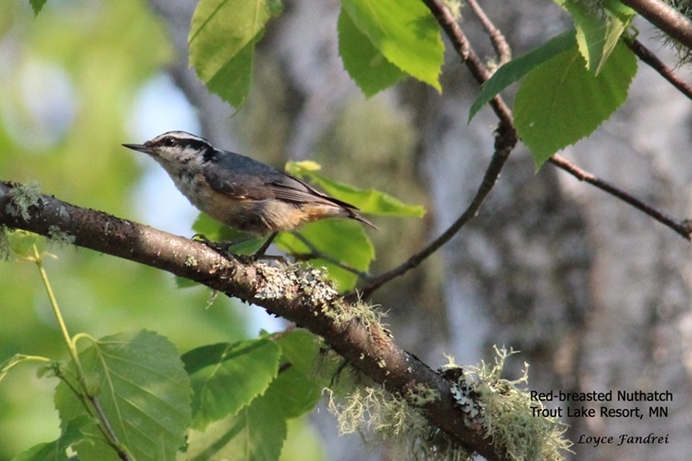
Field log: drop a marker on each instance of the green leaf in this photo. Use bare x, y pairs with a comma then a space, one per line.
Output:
144, 393
364, 63
519, 67
226, 377
233, 81
22, 242
404, 31
56, 450
256, 433
217, 232
561, 102
341, 239
598, 29
222, 38
298, 388
37, 5
369, 201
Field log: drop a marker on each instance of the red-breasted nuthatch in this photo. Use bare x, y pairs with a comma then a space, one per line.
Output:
238, 191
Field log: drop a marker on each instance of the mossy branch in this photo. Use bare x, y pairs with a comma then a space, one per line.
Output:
300, 295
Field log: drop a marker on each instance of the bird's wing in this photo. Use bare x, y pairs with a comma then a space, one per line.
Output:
251, 184
261, 182
292, 189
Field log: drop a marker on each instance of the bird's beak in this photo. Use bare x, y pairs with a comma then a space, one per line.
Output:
138, 147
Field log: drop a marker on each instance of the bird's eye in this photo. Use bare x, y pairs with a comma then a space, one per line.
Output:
169, 142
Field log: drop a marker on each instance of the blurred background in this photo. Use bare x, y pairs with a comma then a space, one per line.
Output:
594, 294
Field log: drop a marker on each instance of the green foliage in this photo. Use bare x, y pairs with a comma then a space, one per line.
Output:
380, 43
598, 30
369, 201
244, 393
217, 232
404, 32
37, 5
220, 378
142, 389
342, 240
256, 431
561, 102
571, 85
367, 65
299, 385
222, 43
21, 242
517, 68
131, 393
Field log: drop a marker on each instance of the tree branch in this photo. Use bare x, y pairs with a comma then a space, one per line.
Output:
665, 18
300, 296
315, 253
684, 228
481, 73
504, 52
659, 66
505, 141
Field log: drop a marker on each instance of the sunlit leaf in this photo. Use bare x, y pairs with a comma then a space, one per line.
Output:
341, 239
366, 65
217, 232
561, 102
517, 68
222, 38
227, 377
598, 29
144, 393
368, 201
22, 242
37, 5
404, 31
298, 388
255, 433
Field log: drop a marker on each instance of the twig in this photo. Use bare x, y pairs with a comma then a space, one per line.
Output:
316, 253
462, 46
683, 228
659, 66
504, 52
114, 443
297, 296
665, 18
504, 143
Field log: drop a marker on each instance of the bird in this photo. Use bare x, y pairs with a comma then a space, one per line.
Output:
241, 192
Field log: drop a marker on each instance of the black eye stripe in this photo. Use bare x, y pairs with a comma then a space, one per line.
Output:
196, 144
